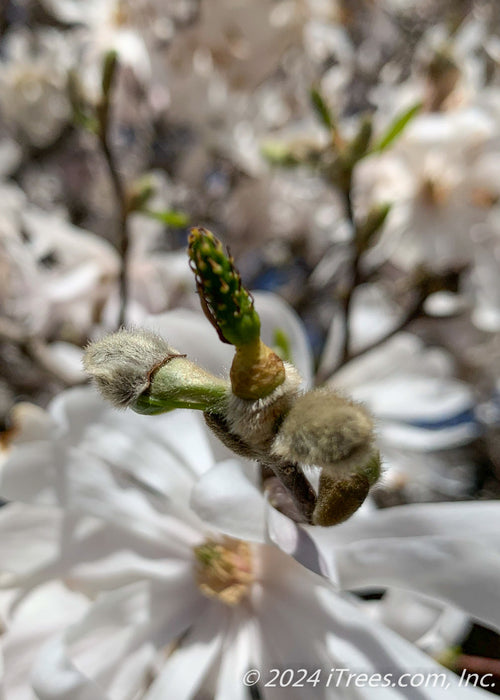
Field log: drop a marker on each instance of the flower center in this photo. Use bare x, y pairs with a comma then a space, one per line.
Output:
121, 14
223, 569
433, 193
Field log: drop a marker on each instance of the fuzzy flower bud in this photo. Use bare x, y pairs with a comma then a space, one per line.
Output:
326, 430
139, 370
338, 499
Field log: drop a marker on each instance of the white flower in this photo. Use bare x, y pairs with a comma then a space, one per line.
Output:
33, 84
440, 180
118, 506
54, 274
162, 541
106, 25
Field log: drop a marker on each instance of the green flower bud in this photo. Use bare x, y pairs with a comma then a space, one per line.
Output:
326, 430
367, 232
139, 370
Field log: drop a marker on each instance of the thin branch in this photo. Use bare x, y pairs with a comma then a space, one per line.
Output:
354, 281
414, 312
119, 188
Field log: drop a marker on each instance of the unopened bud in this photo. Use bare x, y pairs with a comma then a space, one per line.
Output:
139, 370
359, 146
326, 430
368, 230
140, 193
338, 499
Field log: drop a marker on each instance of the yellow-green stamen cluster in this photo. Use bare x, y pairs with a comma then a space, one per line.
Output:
226, 303
223, 569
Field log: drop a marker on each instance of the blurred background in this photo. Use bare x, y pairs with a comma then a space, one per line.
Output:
347, 153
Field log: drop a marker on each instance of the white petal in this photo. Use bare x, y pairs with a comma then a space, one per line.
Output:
94, 490
477, 520
29, 538
334, 635
226, 499
423, 439
43, 614
191, 333
238, 656
54, 677
185, 670
462, 573
402, 354
447, 551
28, 474
275, 314
297, 542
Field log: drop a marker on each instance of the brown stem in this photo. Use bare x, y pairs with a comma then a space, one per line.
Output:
355, 278
299, 488
119, 188
414, 312
288, 473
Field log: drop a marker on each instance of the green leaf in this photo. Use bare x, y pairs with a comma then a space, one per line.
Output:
109, 66
396, 128
279, 153
322, 110
169, 217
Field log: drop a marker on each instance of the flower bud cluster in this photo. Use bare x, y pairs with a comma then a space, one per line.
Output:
261, 413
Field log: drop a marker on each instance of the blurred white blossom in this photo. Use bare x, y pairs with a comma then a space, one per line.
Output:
33, 84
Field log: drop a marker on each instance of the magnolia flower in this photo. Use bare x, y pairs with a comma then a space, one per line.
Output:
33, 84
80, 268
440, 181
166, 559
106, 25
169, 557
54, 274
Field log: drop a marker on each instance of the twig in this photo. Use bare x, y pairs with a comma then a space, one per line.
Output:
354, 282
413, 313
104, 117
290, 475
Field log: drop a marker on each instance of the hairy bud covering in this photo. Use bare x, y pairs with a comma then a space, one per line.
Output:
121, 364
327, 430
